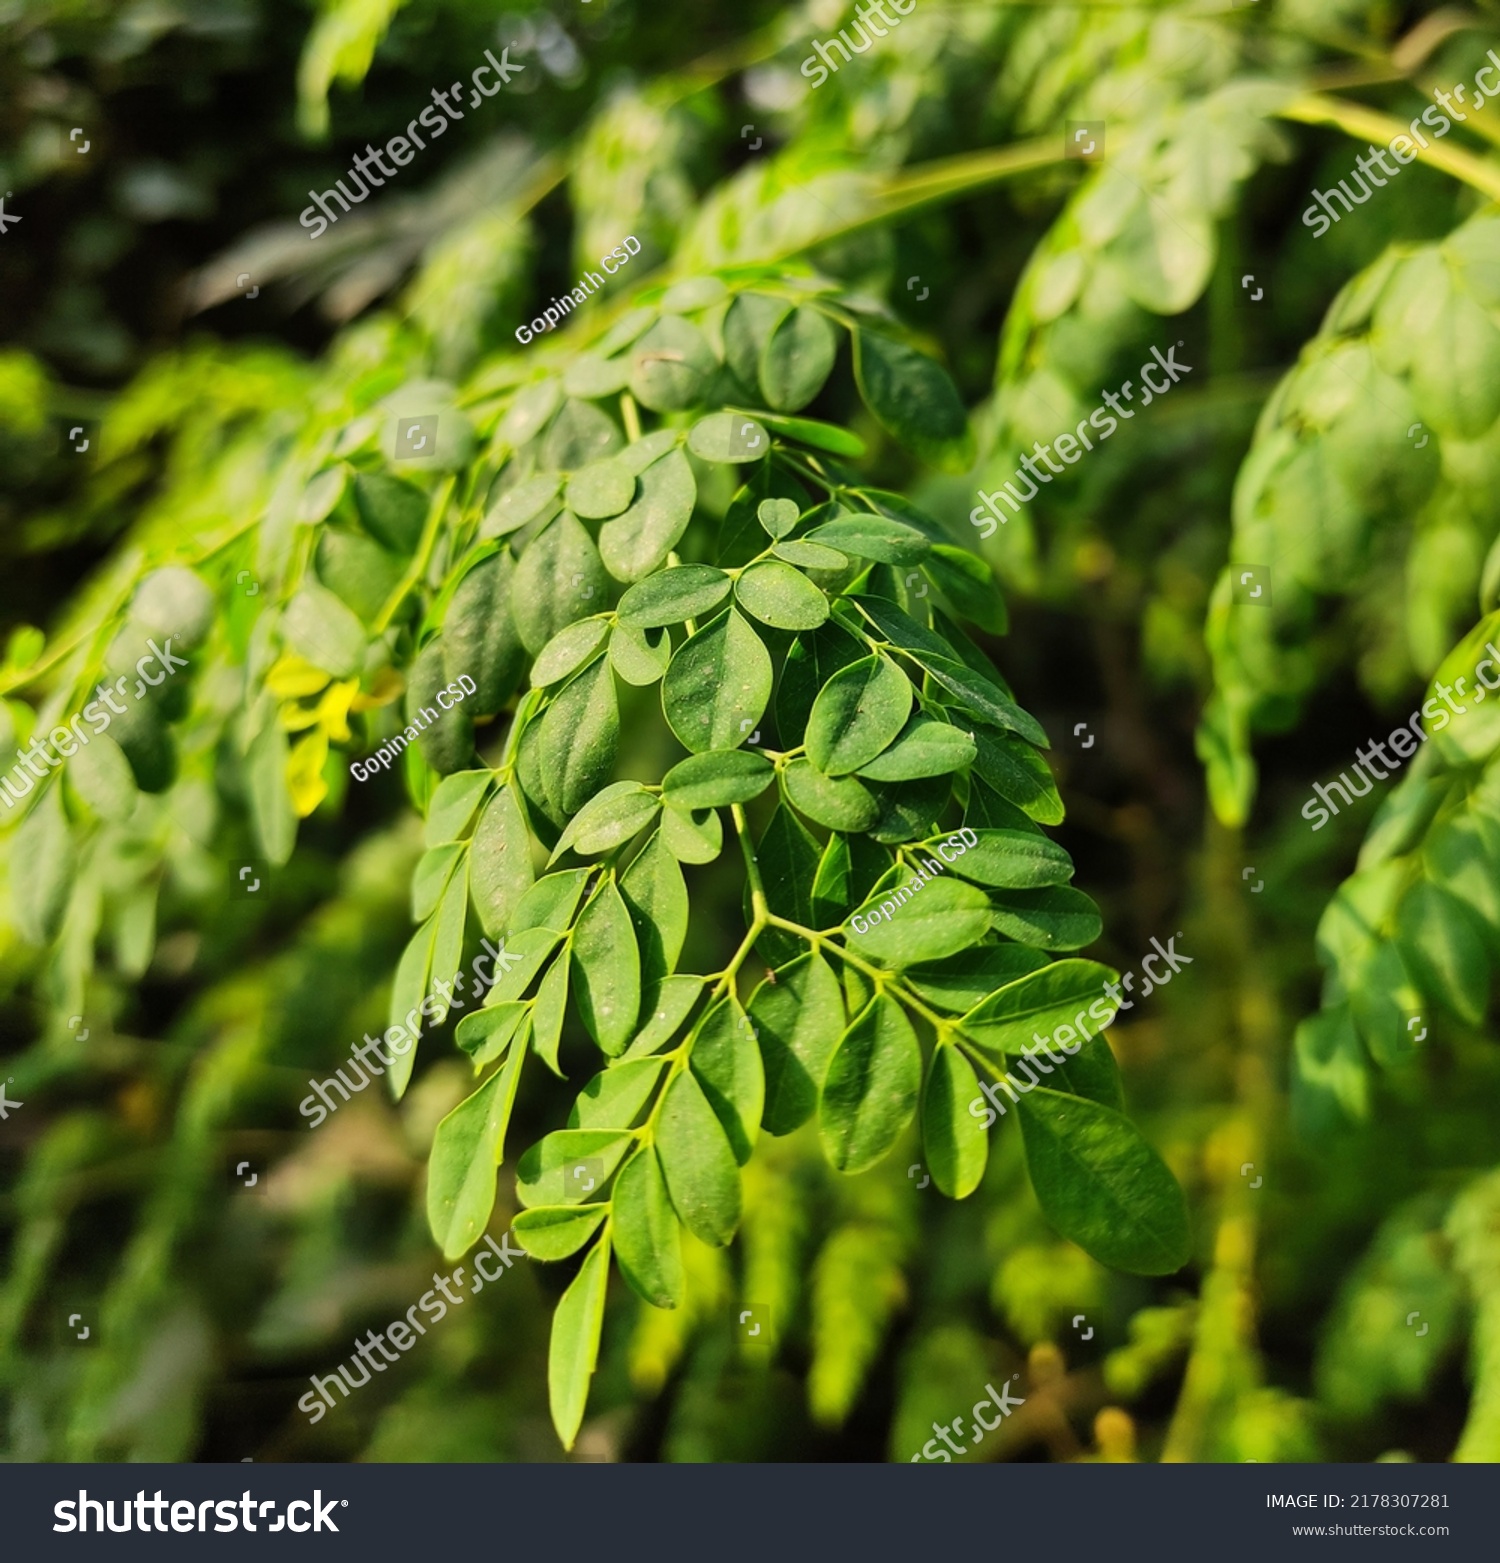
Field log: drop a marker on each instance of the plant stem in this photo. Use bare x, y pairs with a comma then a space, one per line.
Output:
422, 559
1369, 125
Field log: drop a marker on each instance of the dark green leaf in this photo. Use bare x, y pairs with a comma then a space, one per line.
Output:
911, 398
480, 636
961, 981
717, 778
560, 578
727, 1062
580, 733
857, 714
699, 1165
798, 1019
1100, 1184
871, 537
637, 542
648, 1241
607, 966
840, 803
923, 748
796, 359
955, 1142
687, 591
1008, 859
656, 894
671, 366
915, 921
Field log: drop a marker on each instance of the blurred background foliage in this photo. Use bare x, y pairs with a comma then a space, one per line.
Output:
160, 1026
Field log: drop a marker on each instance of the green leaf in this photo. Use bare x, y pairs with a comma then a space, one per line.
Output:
838, 803
850, 868
663, 1009
961, 981
699, 1165
924, 747
909, 810
579, 434
728, 437
1442, 942
813, 659
530, 950
552, 901
751, 319
466, 1148
810, 556
1057, 918
727, 1062
656, 894
580, 733
453, 804
635, 658
1101, 1185
956, 1144
857, 715
592, 376
617, 1097
448, 745
42, 865
560, 578
574, 1349
648, 1241
1018, 773
100, 775
671, 366
1008, 859
318, 627
607, 967
822, 436
778, 516
561, 1166
917, 921
547, 1017
696, 837
553, 1232
798, 1019
601, 489
718, 685
788, 856
871, 1089
871, 537
448, 933
570, 649
500, 871
530, 499
912, 399
686, 591
270, 802
797, 358
1004, 1022
981, 698
637, 542
969, 584
391, 510
529, 412
780, 596
486, 1034
430, 879
717, 778
480, 636
407, 992
609, 818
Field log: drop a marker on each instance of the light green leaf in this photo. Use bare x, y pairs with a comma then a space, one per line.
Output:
686, 591
648, 1241
1057, 918
430, 879
871, 1089
101, 776
609, 818
317, 626
466, 1148
530, 499
796, 359
453, 805
607, 970
574, 1349
728, 437
780, 596
699, 1165
871, 537
656, 894
718, 685
727, 1062
580, 733
270, 802
810, 556
570, 1166
821, 436
839, 803
663, 1009
692, 837
1008, 859
601, 489
913, 922
858, 713
671, 366
924, 748
617, 1097
717, 778
448, 934
42, 865
486, 1034
500, 871
570, 649
407, 992
547, 1017
637, 542
636, 658
956, 1144
798, 1018
553, 1232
